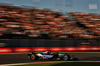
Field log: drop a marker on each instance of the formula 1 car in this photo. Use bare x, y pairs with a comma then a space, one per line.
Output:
51, 56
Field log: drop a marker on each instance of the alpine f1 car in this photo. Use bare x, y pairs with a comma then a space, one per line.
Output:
51, 56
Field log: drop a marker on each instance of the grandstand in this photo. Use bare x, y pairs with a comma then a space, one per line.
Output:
90, 21
17, 22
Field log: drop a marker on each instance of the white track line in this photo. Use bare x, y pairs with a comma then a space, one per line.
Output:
12, 64
47, 62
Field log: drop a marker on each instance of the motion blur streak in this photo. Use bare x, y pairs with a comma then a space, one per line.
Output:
40, 49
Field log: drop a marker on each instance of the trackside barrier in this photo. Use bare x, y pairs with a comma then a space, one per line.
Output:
21, 50
5, 50
40, 49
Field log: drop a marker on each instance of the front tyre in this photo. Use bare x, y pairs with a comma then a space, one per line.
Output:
65, 57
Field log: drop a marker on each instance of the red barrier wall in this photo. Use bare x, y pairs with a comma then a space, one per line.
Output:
5, 50
40, 49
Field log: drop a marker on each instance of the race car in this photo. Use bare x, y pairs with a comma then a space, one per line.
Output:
51, 56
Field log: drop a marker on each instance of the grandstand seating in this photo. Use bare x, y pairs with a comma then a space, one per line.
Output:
91, 21
17, 22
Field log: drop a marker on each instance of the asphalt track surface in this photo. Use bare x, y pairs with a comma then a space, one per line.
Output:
23, 58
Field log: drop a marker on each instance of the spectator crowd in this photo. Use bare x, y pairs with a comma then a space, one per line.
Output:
90, 21
17, 22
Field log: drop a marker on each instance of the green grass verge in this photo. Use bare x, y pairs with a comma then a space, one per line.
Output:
59, 52
64, 64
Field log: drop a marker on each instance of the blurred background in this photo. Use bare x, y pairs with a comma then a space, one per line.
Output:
49, 23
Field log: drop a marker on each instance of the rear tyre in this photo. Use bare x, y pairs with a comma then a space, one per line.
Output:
33, 57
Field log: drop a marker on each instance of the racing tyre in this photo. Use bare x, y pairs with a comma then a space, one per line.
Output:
65, 57
33, 57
